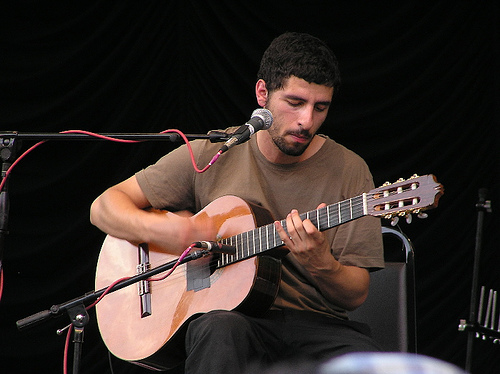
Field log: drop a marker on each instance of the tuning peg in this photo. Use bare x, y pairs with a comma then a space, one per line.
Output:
409, 218
422, 215
394, 221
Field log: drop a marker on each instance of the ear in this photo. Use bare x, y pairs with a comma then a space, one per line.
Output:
261, 92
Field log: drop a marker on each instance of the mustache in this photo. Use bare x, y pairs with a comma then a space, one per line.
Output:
301, 133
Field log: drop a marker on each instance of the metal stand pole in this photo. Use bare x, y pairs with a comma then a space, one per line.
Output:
482, 206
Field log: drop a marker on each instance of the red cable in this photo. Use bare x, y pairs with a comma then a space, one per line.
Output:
100, 136
193, 161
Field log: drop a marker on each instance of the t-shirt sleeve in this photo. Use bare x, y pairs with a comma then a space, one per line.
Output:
168, 184
359, 242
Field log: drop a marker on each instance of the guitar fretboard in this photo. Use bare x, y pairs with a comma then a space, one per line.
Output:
265, 238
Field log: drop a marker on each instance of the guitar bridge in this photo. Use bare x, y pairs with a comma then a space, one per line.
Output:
143, 285
143, 288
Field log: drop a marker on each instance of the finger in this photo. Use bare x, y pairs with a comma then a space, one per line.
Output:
295, 225
310, 229
282, 233
322, 205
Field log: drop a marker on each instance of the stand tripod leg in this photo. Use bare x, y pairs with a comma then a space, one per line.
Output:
77, 350
79, 318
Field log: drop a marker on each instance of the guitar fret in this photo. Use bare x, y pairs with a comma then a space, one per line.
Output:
278, 239
235, 242
335, 216
245, 241
260, 239
359, 206
345, 212
242, 242
270, 235
246, 249
220, 260
256, 242
322, 219
267, 236
250, 242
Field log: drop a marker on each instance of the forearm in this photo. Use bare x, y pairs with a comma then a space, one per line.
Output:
119, 212
343, 285
115, 214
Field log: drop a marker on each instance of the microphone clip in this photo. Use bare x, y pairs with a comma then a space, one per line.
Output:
215, 247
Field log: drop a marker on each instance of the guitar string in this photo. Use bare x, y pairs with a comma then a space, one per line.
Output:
355, 207
180, 274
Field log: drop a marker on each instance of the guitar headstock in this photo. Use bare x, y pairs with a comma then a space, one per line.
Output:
404, 197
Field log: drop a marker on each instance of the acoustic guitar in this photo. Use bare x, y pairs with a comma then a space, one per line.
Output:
145, 324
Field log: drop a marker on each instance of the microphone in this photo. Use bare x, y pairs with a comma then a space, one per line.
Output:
216, 247
261, 119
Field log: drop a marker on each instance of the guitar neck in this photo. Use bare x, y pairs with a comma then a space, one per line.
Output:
266, 238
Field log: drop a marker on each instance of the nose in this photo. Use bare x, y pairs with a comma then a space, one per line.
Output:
306, 119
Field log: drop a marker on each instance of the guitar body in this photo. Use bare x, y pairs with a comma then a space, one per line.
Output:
156, 340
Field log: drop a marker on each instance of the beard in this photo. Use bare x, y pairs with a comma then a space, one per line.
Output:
290, 149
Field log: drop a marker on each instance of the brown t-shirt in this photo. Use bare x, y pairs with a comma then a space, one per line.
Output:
331, 175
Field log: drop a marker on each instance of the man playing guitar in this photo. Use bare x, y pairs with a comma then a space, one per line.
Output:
287, 169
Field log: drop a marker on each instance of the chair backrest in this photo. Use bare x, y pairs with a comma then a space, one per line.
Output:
390, 309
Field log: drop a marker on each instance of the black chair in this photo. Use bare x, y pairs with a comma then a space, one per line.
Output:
390, 307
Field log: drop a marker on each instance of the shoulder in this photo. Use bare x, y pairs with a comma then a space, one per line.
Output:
348, 165
333, 149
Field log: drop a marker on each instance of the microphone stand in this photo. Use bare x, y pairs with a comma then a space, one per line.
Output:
77, 311
473, 325
9, 145
10, 142
8, 153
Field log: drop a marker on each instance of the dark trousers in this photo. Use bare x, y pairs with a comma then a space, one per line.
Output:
230, 342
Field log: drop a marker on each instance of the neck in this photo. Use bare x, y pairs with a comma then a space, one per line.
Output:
273, 154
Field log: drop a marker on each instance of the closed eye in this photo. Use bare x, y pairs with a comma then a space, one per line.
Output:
295, 104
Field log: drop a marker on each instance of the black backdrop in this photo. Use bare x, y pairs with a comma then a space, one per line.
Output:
420, 95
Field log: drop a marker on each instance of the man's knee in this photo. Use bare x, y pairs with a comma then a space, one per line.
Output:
218, 324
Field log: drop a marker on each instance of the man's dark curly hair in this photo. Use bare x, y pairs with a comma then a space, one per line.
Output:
300, 55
